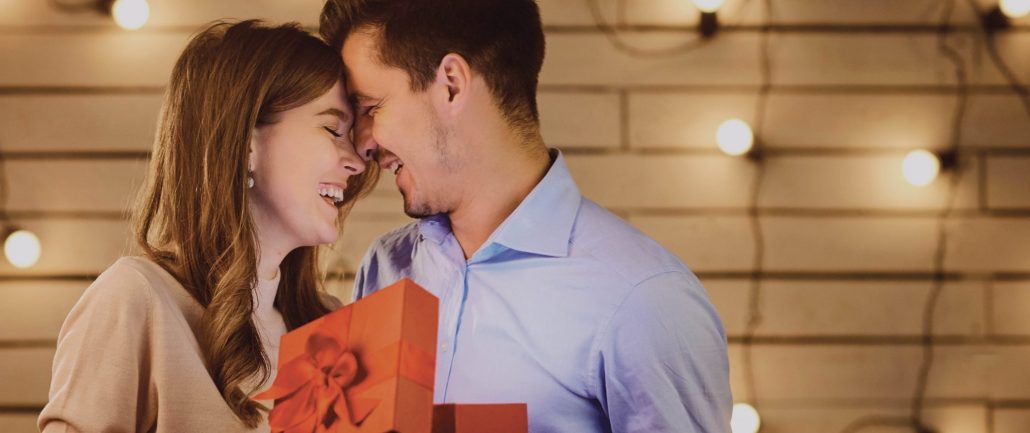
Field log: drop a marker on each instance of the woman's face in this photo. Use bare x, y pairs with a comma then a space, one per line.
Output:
301, 165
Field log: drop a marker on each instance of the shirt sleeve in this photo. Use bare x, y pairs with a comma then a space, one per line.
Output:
100, 380
662, 363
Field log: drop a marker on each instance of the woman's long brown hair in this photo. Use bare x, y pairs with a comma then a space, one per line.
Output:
192, 217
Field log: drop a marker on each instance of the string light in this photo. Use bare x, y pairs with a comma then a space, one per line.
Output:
709, 6
744, 419
1015, 9
734, 137
920, 167
130, 14
709, 23
22, 248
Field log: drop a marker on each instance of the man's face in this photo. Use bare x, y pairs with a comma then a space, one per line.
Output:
402, 129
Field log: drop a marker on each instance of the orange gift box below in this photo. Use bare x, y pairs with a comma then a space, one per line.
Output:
480, 418
367, 367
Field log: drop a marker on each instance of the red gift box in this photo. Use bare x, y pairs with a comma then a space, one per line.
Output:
367, 367
480, 418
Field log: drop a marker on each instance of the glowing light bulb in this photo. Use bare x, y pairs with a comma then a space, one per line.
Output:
734, 137
22, 249
130, 14
709, 6
920, 167
745, 419
1015, 8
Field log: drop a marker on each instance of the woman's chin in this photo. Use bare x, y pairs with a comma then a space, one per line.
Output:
315, 236
328, 236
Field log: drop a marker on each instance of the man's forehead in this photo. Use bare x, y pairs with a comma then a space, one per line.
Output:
357, 52
360, 45
367, 76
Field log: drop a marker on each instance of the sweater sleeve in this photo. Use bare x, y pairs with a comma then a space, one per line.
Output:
101, 371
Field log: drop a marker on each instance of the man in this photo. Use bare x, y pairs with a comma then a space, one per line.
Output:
545, 297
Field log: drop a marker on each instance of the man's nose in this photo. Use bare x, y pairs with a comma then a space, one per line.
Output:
364, 143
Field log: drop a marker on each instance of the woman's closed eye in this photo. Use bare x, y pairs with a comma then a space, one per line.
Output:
333, 132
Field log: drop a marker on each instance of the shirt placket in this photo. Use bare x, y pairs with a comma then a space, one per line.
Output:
451, 309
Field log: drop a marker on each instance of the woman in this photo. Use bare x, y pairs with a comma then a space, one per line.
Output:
252, 168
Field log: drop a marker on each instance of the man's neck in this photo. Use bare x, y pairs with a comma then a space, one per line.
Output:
500, 189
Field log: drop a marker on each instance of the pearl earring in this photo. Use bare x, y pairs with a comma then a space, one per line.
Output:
250, 181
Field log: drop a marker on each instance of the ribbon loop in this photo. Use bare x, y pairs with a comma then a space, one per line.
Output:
310, 391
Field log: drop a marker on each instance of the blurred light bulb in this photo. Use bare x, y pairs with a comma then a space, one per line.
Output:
709, 6
1015, 8
130, 14
920, 167
745, 419
734, 137
22, 248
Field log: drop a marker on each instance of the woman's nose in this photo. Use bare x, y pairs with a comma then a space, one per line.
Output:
353, 163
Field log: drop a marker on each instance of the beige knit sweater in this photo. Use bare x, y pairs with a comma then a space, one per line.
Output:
128, 359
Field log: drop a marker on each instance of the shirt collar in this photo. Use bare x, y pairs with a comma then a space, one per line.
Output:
541, 224
435, 228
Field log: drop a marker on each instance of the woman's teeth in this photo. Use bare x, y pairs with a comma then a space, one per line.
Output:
333, 193
395, 167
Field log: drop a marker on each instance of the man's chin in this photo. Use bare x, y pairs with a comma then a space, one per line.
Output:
418, 210
418, 213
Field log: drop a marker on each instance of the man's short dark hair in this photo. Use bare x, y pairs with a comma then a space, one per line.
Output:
501, 39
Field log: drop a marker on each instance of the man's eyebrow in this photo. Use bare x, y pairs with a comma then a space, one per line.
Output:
335, 112
357, 97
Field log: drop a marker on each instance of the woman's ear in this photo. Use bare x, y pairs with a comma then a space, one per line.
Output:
251, 150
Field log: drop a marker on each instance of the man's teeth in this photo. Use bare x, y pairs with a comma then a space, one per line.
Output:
395, 166
332, 192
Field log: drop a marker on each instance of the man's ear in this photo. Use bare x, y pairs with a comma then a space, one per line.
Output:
455, 77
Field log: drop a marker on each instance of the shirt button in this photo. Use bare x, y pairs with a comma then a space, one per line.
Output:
443, 347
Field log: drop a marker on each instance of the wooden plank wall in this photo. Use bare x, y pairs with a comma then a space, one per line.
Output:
848, 245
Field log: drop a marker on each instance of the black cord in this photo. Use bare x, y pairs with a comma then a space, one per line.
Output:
962, 78
758, 259
915, 419
612, 34
992, 51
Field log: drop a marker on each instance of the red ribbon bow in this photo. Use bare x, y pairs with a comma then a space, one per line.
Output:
311, 391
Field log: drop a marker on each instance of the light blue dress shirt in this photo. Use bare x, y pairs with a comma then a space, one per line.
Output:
569, 309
